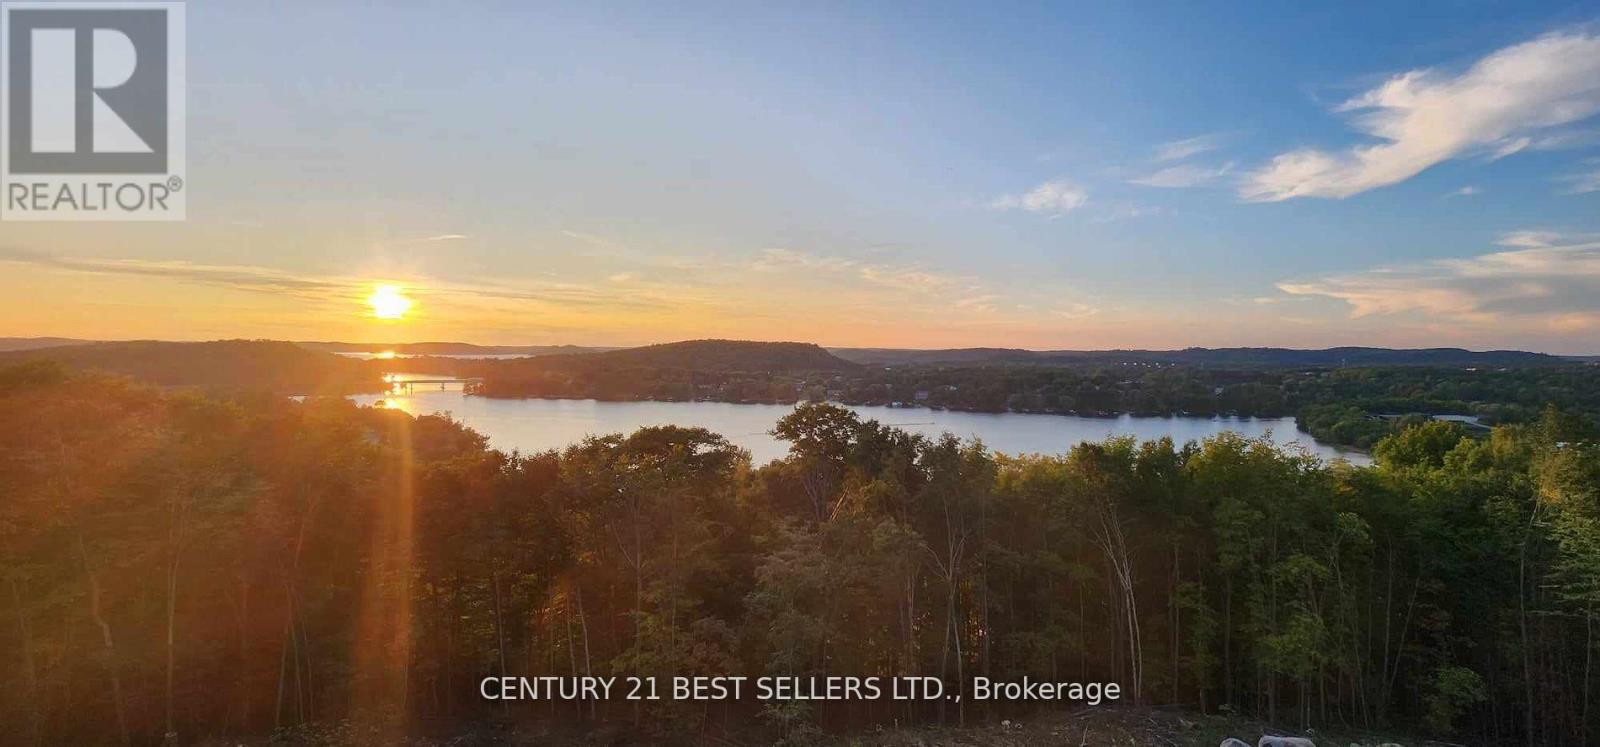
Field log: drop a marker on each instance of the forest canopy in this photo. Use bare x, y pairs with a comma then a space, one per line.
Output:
198, 566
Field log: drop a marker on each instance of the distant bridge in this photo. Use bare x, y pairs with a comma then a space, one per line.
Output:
411, 384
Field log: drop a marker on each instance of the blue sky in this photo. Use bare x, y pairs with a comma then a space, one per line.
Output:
1045, 176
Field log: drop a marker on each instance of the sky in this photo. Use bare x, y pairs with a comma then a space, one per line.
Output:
1047, 176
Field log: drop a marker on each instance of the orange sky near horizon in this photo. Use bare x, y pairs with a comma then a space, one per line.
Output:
186, 301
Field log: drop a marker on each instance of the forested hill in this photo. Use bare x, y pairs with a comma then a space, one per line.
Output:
721, 370
712, 356
1219, 357
239, 365
8, 344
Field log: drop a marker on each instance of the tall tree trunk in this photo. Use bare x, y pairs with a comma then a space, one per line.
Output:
283, 675
178, 507
1588, 667
171, 735
499, 630
242, 617
1522, 622
106, 641
30, 676
588, 669
1177, 619
961, 682
1113, 544
572, 650
1227, 639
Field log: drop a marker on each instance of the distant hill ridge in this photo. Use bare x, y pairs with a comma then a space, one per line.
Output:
248, 365
1241, 357
286, 363
728, 356
8, 344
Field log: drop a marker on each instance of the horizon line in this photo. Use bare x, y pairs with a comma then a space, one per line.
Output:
77, 340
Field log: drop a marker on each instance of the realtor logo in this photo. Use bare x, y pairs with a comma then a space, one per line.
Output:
93, 110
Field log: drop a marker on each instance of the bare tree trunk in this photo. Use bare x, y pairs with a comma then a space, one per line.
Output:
944, 652
638, 597
1227, 639
283, 672
1388, 621
172, 629
961, 683
242, 616
1588, 667
110, 649
572, 650
1113, 543
1177, 620
499, 630
583, 622
1522, 621
29, 673
176, 516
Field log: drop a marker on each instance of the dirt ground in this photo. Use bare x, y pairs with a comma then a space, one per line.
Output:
1086, 727
1109, 727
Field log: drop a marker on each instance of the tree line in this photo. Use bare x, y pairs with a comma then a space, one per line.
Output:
180, 566
1348, 407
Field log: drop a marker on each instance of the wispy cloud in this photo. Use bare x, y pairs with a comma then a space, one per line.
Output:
1074, 311
899, 277
1052, 198
1545, 280
1125, 211
1178, 150
935, 296
861, 299
1530, 238
1425, 117
1183, 175
242, 277
323, 288
1467, 191
1584, 182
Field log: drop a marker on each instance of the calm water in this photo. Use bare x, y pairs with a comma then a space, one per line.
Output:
358, 355
532, 425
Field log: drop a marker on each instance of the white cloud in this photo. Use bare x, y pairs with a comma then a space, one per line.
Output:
1467, 191
1183, 175
1510, 147
1177, 150
1530, 239
1583, 183
1074, 311
1546, 280
1053, 198
1424, 117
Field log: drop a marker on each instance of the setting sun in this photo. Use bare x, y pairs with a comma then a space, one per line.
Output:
388, 302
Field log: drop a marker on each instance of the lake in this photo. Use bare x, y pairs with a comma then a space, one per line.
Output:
390, 356
533, 425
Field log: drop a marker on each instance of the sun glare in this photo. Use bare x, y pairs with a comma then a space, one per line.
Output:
388, 302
